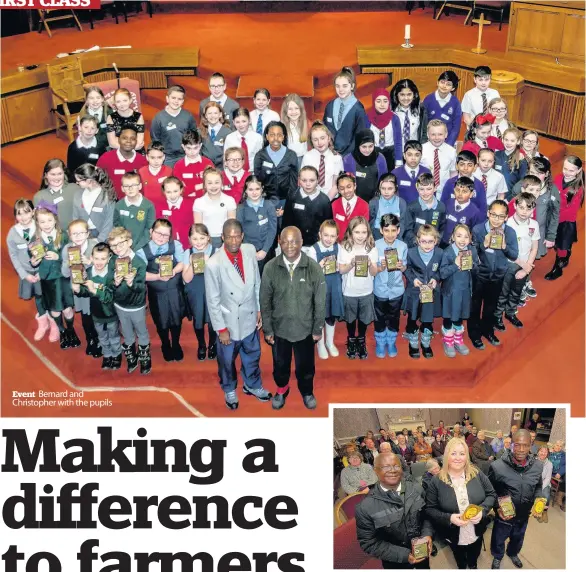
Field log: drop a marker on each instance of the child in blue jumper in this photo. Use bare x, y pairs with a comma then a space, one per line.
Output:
443, 104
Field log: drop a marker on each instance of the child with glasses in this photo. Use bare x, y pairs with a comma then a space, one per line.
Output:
79, 237
422, 300
129, 285
234, 174
497, 247
165, 286
134, 212
498, 108
530, 145
217, 85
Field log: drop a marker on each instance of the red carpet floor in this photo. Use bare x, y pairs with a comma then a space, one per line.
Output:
542, 363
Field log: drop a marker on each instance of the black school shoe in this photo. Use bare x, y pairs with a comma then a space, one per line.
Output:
168, 354
201, 353
74, 341
492, 339
116, 362
426, 351
478, 344
514, 321
93, 348
64, 342
352, 350
107, 363
499, 324
177, 353
516, 561
362, 352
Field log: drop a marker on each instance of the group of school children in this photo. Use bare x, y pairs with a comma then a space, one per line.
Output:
397, 218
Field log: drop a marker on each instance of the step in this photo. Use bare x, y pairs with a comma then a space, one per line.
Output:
197, 87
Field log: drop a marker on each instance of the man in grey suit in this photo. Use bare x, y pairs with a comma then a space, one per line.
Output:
217, 86
232, 283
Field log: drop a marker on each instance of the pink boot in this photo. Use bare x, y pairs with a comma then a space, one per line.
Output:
42, 327
54, 330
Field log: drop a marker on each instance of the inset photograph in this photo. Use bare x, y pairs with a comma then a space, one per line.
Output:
445, 488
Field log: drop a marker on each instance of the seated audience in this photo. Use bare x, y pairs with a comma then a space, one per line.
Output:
458, 484
429, 437
457, 431
438, 446
350, 448
358, 475
542, 455
404, 449
506, 447
497, 443
442, 430
471, 437
534, 447
482, 453
369, 451
432, 468
422, 449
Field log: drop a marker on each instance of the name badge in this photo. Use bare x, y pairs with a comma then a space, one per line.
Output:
125, 213
552, 198
119, 171
444, 116
405, 183
299, 207
267, 164
93, 156
490, 250
260, 222
161, 179
98, 209
450, 217
219, 143
421, 221
198, 186
329, 119
359, 174
171, 127
103, 125
187, 175
499, 167
226, 187
166, 213
23, 246
341, 217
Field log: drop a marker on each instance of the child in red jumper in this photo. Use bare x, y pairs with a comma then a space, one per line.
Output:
154, 173
176, 208
478, 135
571, 185
349, 205
234, 175
190, 169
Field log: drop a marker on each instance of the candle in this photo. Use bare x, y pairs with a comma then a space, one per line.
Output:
407, 31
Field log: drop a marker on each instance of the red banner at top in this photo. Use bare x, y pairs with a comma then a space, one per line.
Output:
50, 4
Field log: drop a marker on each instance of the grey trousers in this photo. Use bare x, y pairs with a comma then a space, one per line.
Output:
109, 337
131, 322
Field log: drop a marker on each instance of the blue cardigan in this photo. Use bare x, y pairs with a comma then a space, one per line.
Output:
354, 121
501, 164
450, 114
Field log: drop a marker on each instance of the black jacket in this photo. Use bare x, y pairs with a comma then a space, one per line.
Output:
279, 181
441, 504
386, 522
307, 214
522, 484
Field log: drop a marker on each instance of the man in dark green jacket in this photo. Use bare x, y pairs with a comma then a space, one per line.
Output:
293, 307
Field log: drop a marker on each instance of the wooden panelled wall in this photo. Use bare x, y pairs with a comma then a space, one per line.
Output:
26, 98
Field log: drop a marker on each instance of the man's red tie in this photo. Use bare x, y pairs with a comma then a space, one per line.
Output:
321, 177
245, 148
436, 168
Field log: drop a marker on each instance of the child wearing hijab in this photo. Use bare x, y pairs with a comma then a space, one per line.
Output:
366, 163
386, 128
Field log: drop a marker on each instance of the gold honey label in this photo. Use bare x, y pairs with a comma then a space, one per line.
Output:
330, 265
471, 511
420, 548
165, 265
78, 274
466, 260
37, 248
122, 266
507, 506
392, 258
425, 295
74, 255
361, 266
539, 505
198, 262
496, 241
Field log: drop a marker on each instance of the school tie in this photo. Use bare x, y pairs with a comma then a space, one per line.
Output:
484, 104
321, 177
458, 208
213, 134
406, 128
348, 209
484, 144
436, 168
245, 149
381, 138
498, 132
26, 234
259, 124
340, 114
237, 268
291, 270
485, 183
413, 175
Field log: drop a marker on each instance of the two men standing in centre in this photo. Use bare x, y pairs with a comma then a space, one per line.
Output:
289, 305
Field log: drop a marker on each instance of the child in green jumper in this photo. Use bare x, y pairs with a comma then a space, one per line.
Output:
99, 288
134, 212
56, 289
130, 299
